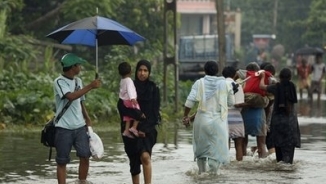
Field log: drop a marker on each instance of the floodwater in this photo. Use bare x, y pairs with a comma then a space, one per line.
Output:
23, 160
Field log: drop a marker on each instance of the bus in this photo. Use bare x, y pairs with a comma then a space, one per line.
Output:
194, 51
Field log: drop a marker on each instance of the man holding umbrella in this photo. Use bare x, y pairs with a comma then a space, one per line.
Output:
71, 128
94, 32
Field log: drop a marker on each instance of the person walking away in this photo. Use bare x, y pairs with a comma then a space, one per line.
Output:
71, 129
128, 94
253, 115
235, 121
285, 130
304, 70
268, 110
318, 73
210, 127
139, 149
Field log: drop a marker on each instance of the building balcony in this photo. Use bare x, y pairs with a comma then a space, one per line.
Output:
196, 6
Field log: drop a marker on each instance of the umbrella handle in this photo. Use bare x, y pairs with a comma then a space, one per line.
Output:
96, 75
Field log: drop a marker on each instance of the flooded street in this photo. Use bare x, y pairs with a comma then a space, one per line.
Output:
24, 160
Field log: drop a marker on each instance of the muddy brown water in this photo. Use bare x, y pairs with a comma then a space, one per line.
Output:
23, 160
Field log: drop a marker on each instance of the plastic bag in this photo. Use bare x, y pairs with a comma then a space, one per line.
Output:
95, 144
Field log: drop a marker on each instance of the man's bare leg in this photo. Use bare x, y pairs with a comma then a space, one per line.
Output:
83, 168
300, 91
318, 97
61, 173
262, 153
238, 144
244, 145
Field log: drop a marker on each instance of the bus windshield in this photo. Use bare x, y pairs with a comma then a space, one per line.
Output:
203, 48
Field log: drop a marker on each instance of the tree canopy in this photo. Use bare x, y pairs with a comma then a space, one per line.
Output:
23, 45
295, 22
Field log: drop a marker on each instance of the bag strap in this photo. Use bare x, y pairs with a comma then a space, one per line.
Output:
61, 113
66, 106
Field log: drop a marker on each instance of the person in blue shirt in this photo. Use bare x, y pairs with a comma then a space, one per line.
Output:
71, 128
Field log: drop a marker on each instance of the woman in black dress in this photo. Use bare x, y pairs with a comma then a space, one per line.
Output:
285, 130
139, 149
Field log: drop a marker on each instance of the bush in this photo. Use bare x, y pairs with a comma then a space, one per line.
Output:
26, 98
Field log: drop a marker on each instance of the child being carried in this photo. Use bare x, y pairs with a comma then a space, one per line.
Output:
254, 96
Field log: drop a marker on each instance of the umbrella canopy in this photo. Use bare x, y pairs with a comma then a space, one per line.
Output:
95, 31
86, 31
310, 51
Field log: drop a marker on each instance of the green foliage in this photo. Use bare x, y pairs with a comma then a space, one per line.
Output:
289, 30
18, 49
11, 5
79, 9
315, 24
258, 17
251, 24
28, 70
25, 97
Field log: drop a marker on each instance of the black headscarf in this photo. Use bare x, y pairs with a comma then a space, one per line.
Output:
286, 92
286, 89
142, 86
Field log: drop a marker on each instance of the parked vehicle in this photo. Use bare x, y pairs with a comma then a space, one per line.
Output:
194, 51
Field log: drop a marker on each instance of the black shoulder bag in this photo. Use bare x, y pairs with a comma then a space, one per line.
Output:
48, 131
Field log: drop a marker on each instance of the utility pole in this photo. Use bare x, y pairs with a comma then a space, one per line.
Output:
221, 34
170, 6
275, 16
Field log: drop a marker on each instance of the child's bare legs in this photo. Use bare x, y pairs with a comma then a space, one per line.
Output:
126, 131
133, 129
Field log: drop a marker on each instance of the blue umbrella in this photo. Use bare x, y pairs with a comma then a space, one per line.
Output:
95, 31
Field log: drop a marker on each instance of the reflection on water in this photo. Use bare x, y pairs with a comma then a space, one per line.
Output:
312, 120
24, 160
311, 109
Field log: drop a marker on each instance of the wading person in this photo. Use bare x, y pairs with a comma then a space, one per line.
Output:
210, 126
71, 129
284, 130
317, 75
269, 108
304, 70
254, 117
235, 121
139, 149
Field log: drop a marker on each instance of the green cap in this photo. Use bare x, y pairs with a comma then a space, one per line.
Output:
71, 59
